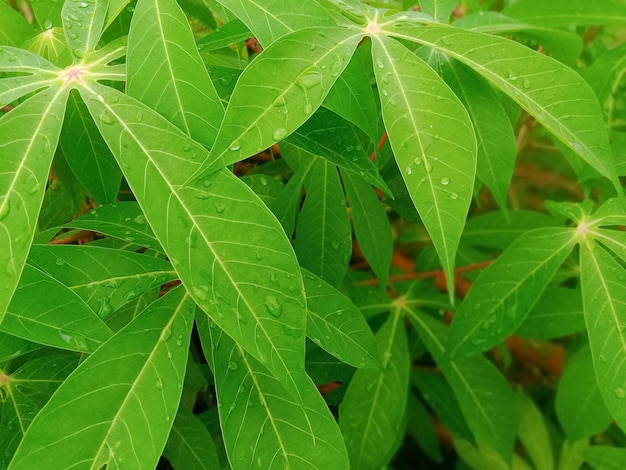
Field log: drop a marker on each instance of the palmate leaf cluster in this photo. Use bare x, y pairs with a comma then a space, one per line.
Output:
100, 363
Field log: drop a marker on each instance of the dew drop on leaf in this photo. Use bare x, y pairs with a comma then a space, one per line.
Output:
445, 181
159, 384
526, 83
280, 102
219, 207
273, 306
106, 118
200, 293
309, 80
280, 133
235, 146
232, 365
47, 24
408, 170
620, 392
59, 262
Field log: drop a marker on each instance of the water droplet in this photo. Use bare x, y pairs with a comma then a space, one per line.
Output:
106, 118
232, 365
140, 219
219, 207
335, 245
200, 292
280, 133
408, 170
380, 63
207, 182
445, 181
82, 4
225, 81
47, 24
446, 40
59, 262
139, 116
159, 384
385, 92
620, 392
526, 83
310, 79
427, 165
280, 102
511, 75
235, 146
454, 196
273, 306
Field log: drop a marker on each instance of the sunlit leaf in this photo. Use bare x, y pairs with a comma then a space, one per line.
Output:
568, 12
117, 408
83, 22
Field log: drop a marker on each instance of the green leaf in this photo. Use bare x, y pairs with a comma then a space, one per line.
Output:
483, 394
323, 236
371, 225
297, 86
372, 411
123, 220
438, 9
44, 319
605, 457
568, 12
229, 33
533, 433
87, 154
604, 301
604, 76
579, 405
104, 278
83, 23
433, 143
50, 44
268, 22
12, 347
24, 392
190, 445
262, 425
117, 408
558, 312
494, 135
335, 324
247, 279
421, 428
518, 276
166, 73
28, 138
14, 29
287, 204
552, 93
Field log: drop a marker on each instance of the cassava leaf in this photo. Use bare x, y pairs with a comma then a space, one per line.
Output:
552, 93
28, 138
372, 411
246, 279
117, 408
83, 22
433, 143
567, 12
519, 276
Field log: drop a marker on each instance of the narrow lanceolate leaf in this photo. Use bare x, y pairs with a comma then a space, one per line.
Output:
117, 408
44, 319
165, 71
262, 425
494, 132
483, 393
371, 225
372, 411
567, 12
433, 143
552, 93
229, 251
269, 21
519, 277
190, 445
122, 220
83, 22
14, 28
261, 113
28, 72
439, 9
88, 155
28, 137
336, 324
533, 433
104, 278
323, 236
579, 405
604, 301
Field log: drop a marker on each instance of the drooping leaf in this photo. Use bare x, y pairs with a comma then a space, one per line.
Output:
190, 445
296, 87
604, 302
372, 411
247, 279
87, 154
104, 278
533, 433
335, 324
44, 319
83, 23
117, 408
579, 405
518, 276
483, 394
262, 425
371, 225
433, 143
323, 236
552, 93
28, 138
165, 71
